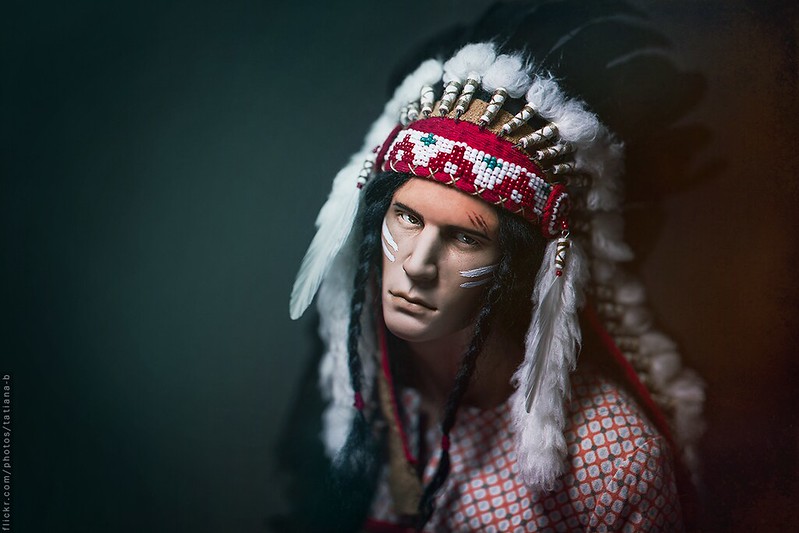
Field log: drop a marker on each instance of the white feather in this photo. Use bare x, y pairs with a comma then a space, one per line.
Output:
334, 381
653, 342
337, 215
335, 270
636, 319
544, 327
603, 271
509, 73
545, 96
630, 292
334, 377
663, 367
428, 73
606, 238
540, 443
687, 396
471, 59
334, 223
603, 160
576, 124
597, 153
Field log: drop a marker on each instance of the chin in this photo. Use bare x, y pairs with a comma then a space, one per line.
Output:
413, 329
406, 327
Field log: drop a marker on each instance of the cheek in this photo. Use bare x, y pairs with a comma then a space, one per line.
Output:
388, 268
388, 244
463, 303
476, 277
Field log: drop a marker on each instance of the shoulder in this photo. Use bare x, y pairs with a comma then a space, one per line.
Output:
601, 414
620, 473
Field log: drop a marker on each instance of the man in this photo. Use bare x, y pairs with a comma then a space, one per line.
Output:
450, 343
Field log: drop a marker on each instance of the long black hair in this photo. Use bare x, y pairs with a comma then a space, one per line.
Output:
507, 301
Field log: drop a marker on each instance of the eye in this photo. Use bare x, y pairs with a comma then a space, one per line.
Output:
410, 219
467, 239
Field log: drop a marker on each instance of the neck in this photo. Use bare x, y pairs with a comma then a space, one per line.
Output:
436, 363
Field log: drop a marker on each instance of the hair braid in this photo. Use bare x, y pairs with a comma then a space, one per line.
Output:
366, 254
377, 197
358, 457
356, 467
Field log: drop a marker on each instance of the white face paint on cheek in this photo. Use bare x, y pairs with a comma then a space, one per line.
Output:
477, 273
388, 238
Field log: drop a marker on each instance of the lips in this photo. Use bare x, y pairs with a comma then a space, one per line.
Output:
412, 300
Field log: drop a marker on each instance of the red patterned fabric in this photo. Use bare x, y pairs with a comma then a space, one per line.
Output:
620, 475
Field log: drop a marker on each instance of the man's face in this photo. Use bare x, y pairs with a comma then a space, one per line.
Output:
439, 250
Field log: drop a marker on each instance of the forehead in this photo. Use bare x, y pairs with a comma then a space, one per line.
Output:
442, 205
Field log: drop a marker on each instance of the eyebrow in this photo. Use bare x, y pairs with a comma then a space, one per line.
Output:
409, 209
472, 231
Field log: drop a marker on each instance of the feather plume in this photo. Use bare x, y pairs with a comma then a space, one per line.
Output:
337, 274
335, 219
428, 73
509, 73
544, 327
471, 59
550, 354
636, 319
630, 292
334, 223
334, 382
663, 367
606, 237
688, 397
545, 96
654, 342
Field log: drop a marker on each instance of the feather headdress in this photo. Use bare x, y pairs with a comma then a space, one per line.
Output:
551, 161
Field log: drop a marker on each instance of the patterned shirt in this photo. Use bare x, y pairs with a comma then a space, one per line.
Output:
620, 475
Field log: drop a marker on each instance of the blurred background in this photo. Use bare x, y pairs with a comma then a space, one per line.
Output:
161, 165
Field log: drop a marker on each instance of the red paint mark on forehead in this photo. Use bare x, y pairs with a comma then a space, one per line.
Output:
479, 222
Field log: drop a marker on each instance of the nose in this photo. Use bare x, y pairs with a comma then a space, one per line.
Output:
421, 264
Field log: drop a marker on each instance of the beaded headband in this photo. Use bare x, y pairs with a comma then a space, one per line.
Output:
480, 163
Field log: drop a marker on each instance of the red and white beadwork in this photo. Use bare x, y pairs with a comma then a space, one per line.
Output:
478, 162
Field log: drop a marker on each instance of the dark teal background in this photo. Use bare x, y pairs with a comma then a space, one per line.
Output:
162, 164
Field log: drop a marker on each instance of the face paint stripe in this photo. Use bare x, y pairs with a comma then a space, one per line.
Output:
389, 238
470, 284
477, 272
387, 252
